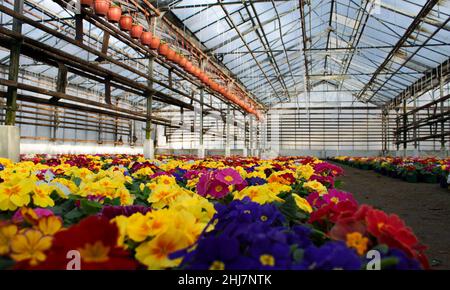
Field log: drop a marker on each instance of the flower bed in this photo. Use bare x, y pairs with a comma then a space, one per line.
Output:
125, 212
410, 169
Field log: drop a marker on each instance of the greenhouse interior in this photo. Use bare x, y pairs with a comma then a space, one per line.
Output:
225, 135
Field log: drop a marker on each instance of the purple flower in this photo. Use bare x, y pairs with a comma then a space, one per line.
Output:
110, 211
228, 176
179, 174
256, 181
270, 250
330, 256
220, 252
400, 259
299, 236
243, 218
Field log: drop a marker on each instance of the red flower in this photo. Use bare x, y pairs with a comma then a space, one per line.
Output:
289, 177
391, 230
95, 238
333, 212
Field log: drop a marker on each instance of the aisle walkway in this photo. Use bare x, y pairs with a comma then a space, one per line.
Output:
424, 207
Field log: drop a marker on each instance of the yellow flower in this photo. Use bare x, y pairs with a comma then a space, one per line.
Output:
7, 232
357, 241
13, 196
41, 195
192, 183
278, 188
64, 187
315, 186
49, 225
125, 197
256, 173
305, 171
155, 253
30, 245
122, 223
302, 203
260, 193
166, 180
163, 195
200, 207
6, 162
138, 227
143, 172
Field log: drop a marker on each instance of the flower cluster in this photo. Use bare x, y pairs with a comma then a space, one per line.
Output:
411, 169
126, 212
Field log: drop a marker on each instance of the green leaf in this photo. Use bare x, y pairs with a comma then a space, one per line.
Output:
77, 180
73, 216
338, 184
64, 207
291, 211
298, 254
90, 207
115, 201
388, 262
6, 263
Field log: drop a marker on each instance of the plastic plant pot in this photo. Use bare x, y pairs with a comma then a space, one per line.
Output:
146, 38
101, 7
126, 22
183, 61
154, 44
163, 49
114, 14
136, 31
171, 55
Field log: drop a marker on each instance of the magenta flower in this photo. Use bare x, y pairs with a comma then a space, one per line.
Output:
203, 183
315, 200
40, 212
241, 186
328, 169
325, 180
336, 196
217, 189
229, 176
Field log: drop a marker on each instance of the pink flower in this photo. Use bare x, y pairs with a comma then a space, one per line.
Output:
229, 176
217, 189
40, 212
325, 180
203, 183
315, 200
336, 196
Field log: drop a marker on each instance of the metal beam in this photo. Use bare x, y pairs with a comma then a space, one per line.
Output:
412, 27
14, 62
233, 25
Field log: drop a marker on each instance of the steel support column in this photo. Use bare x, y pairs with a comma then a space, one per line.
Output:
228, 132
14, 61
149, 144
201, 146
